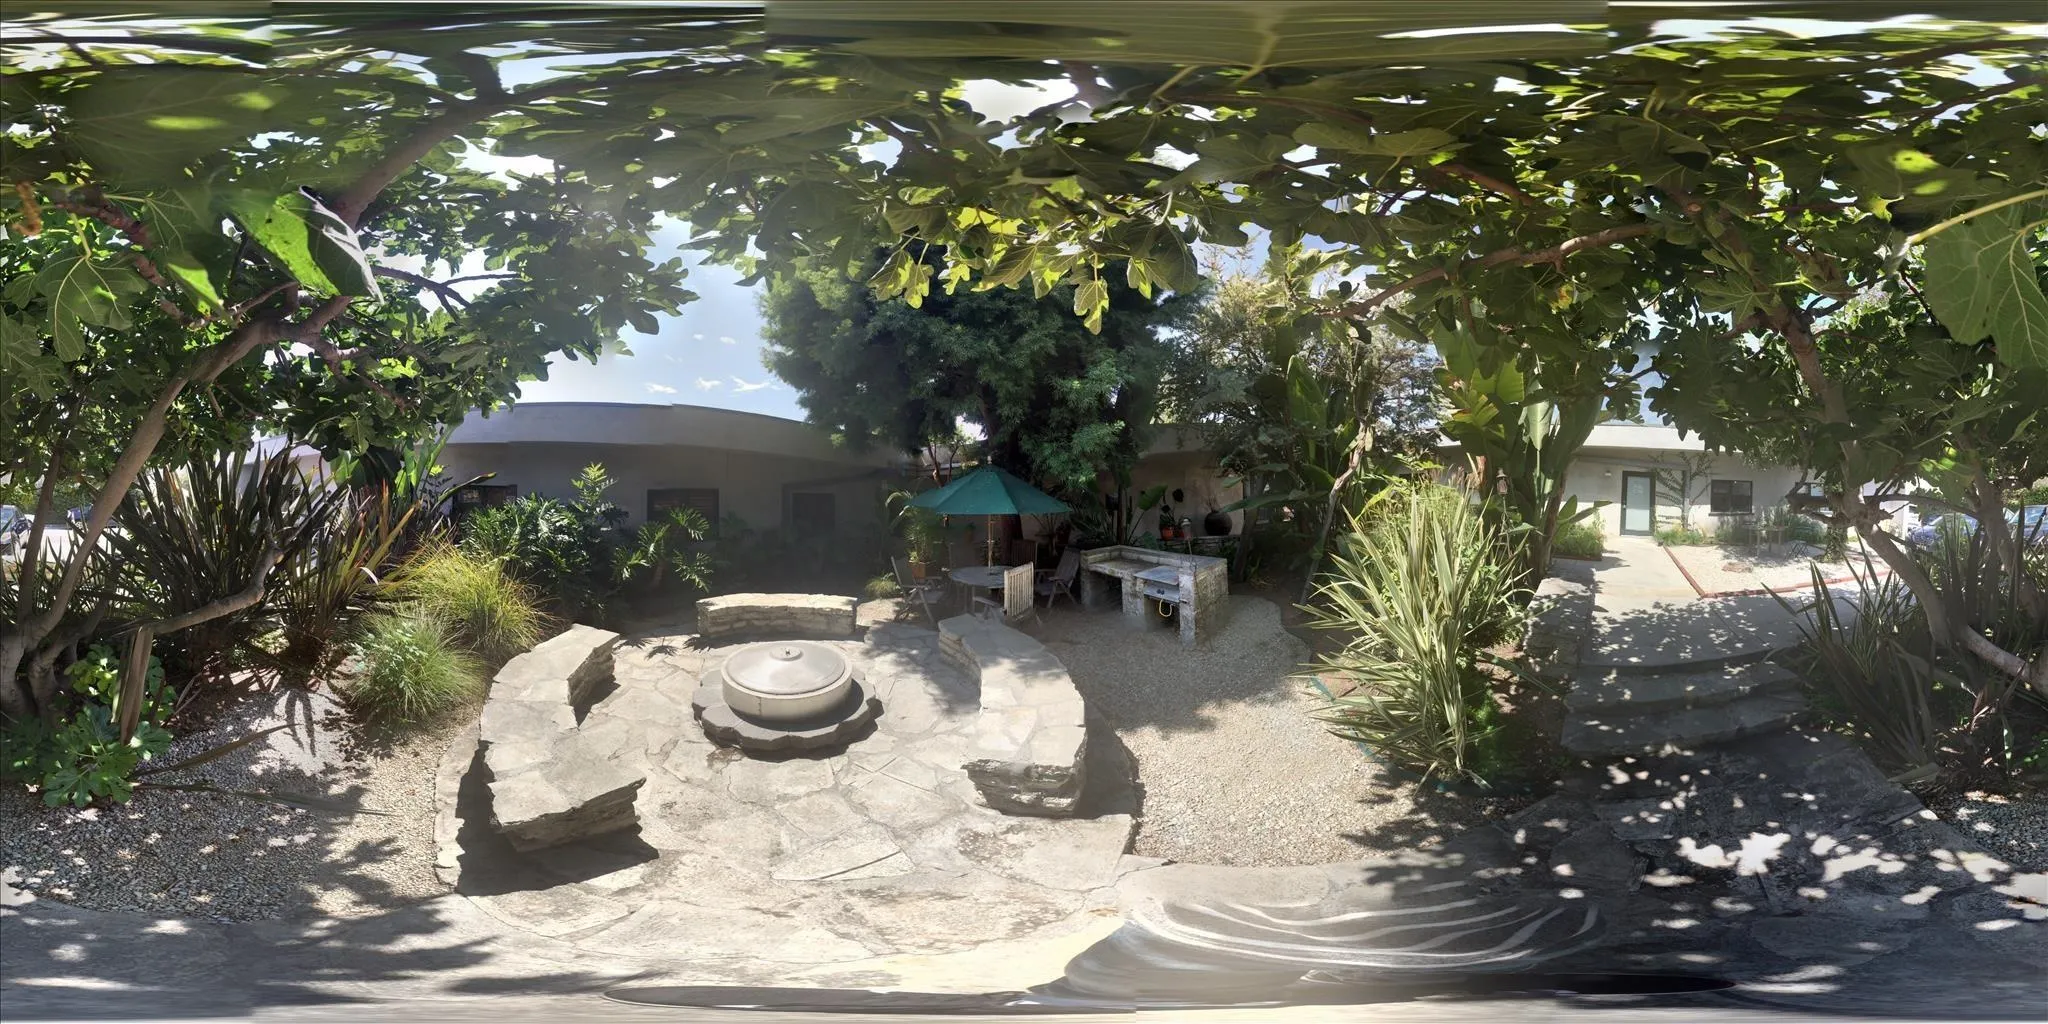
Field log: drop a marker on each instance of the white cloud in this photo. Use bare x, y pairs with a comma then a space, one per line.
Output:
696, 337
707, 384
660, 389
742, 387
726, 339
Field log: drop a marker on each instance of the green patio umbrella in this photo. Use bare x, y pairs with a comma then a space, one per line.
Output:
989, 492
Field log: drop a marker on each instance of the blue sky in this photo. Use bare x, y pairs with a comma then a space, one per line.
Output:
709, 354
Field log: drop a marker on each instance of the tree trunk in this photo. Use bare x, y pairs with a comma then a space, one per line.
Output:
205, 365
1359, 446
16, 699
1947, 626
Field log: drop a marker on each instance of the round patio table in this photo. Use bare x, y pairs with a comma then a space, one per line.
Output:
979, 577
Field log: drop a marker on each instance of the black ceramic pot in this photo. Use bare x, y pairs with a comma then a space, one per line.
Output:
1216, 524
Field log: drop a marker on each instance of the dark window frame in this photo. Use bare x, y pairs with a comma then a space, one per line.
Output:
478, 496
1722, 495
831, 508
661, 499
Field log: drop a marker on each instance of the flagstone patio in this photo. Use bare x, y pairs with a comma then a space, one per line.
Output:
883, 847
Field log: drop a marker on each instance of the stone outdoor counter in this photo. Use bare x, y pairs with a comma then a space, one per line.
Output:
552, 781
1121, 574
777, 615
1029, 738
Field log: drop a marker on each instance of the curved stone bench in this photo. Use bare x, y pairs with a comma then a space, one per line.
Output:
777, 615
1029, 738
551, 781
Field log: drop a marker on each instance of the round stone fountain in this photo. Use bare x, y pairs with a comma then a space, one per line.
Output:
785, 695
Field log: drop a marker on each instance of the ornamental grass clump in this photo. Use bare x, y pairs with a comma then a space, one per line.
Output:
1420, 586
478, 604
413, 671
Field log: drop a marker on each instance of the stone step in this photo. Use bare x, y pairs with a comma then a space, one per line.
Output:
1622, 729
1608, 691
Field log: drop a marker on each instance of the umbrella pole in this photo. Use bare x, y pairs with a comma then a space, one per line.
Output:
988, 537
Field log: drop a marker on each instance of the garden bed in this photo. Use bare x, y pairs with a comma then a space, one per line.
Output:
231, 858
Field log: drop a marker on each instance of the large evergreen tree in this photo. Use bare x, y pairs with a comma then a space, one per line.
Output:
1054, 402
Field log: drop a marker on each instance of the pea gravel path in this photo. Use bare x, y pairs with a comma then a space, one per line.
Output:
1232, 767
229, 858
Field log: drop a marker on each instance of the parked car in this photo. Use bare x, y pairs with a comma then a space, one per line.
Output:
1931, 529
2032, 521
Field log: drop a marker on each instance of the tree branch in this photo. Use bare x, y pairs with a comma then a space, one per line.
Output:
205, 366
441, 127
1486, 181
440, 289
1516, 255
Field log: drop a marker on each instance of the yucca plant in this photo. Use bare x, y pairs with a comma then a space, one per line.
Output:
192, 535
1420, 586
482, 607
413, 671
320, 593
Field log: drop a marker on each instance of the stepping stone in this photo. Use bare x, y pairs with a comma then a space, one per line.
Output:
1619, 730
1642, 694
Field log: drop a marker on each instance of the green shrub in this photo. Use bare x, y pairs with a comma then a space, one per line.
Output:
83, 759
1419, 590
412, 671
1583, 539
882, 588
1683, 536
579, 557
478, 604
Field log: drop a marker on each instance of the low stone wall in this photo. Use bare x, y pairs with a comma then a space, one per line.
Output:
1560, 623
552, 782
1030, 739
778, 615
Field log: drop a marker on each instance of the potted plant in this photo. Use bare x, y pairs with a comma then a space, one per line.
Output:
924, 537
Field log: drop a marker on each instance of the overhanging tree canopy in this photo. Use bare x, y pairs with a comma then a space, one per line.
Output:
1532, 194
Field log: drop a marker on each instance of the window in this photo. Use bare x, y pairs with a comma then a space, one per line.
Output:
1730, 497
810, 512
703, 499
476, 496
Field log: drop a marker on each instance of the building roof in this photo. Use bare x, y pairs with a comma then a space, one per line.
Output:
1648, 436
1630, 436
627, 423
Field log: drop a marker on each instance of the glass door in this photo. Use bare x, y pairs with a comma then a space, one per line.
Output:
1638, 512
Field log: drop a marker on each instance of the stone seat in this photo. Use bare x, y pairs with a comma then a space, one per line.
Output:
553, 782
775, 615
1030, 736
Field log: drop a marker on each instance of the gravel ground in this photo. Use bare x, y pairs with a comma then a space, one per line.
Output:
232, 858
1233, 770
2014, 829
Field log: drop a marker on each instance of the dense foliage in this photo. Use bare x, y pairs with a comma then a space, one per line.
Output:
413, 671
1283, 397
579, 556
1052, 400
231, 218
85, 758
